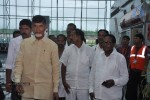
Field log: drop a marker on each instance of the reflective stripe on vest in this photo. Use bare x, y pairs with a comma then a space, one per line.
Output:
137, 61
138, 55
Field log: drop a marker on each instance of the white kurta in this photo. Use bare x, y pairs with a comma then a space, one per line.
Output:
61, 90
105, 68
13, 49
78, 62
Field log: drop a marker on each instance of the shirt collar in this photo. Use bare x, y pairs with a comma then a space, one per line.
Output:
83, 44
34, 39
113, 52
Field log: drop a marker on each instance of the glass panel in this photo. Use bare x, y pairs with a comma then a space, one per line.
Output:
101, 24
48, 3
1, 2
101, 13
78, 12
92, 13
44, 11
52, 4
13, 10
1, 20
21, 2
37, 2
69, 3
60, 12
90, 4
53, 25
101, 4
13, 24
54, 14
68, 12
1, 10
37, 11
12, 2
60, 3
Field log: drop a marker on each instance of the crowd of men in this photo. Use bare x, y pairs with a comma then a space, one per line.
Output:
66, 68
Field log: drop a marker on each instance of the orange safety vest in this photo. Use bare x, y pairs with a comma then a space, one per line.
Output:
137, 61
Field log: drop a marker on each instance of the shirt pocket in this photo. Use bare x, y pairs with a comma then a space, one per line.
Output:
45, 56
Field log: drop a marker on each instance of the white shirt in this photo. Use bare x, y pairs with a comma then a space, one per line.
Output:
13, 49
77, 62
104, 68
96, 51
97, 48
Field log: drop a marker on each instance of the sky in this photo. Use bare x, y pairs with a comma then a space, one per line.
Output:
69, 14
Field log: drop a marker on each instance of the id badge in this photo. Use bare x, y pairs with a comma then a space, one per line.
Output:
134, 61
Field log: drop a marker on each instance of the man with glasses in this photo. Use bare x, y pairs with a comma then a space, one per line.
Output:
109, 72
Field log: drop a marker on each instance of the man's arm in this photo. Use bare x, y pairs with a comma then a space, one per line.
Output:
63, 74
10, 61
55, 67
55, 71
92, 80
64, 60
123, 72
9, 65
147, 57
18, 69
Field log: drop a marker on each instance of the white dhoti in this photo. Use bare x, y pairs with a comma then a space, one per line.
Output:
78, 94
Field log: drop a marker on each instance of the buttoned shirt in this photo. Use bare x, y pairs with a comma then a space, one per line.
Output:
13, 49
104, 68
77, 62
38, 64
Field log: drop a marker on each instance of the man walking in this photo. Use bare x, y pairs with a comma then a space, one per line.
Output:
37, 64
13, 49
109, 73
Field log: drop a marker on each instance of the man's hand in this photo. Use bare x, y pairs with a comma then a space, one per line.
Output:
92, 95
19, 89
109, 83
67, 87
8, 87
55, 96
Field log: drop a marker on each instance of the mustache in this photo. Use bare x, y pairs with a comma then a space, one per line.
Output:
23, 33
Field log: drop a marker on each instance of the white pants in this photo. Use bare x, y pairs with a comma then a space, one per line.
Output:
102, 99
61, 90
78, 94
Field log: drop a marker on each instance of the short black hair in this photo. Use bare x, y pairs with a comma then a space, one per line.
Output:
62, 35
103, 30
139, 35
16, 32
113, 39
25, 22
80, 33
126, 37
50, 36
38, 19
71, 24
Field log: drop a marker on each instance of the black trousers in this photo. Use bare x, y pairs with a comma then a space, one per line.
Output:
14, 94
2, 96
132, 85
62, 98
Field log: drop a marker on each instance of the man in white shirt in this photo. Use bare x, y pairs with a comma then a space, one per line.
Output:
100, 35
14, 46
61, 41
16, 33
70, 27
109, 73
76, 61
